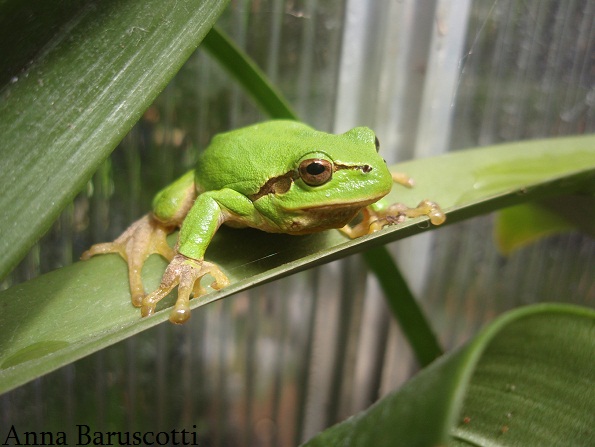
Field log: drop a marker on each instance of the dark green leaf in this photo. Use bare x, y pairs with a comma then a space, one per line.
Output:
75, 77
405, 309
527, 379
248, 75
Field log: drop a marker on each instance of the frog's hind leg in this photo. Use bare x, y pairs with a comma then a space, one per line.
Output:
148, 234
143, 238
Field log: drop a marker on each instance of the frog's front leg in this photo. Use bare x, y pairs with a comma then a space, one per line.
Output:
188, 266
378, 215
185, 273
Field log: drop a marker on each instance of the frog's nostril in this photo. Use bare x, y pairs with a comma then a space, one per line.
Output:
366, 168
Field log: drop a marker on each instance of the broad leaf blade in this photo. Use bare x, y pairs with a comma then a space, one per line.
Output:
85, 84
84, 307
534, 383
512, 385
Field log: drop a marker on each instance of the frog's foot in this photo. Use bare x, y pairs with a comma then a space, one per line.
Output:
143, 238
427, 208
186, 274
402, 179
374, 220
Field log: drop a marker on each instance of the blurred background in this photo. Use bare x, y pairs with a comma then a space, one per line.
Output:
275, 365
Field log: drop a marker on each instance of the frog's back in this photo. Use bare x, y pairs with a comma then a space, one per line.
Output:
244, 159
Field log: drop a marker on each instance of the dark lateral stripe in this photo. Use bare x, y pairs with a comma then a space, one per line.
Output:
282, 183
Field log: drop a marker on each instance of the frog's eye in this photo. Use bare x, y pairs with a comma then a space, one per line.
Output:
377, 143
315, 171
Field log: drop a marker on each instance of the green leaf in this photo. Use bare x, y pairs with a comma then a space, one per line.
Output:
404, 306
75, 77
247, 73
526, 379
69, 313
524, 224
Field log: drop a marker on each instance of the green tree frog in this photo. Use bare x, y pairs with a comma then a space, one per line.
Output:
277, 176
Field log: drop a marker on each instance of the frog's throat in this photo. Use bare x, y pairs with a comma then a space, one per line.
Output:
325, 217
282, 183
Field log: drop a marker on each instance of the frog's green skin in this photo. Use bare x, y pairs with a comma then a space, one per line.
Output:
276, 176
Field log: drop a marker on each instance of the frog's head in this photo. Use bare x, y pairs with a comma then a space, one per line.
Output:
329, 183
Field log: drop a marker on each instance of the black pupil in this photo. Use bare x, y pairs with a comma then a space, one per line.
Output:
315, 168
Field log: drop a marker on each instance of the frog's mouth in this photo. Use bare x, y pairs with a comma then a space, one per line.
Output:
340, 206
